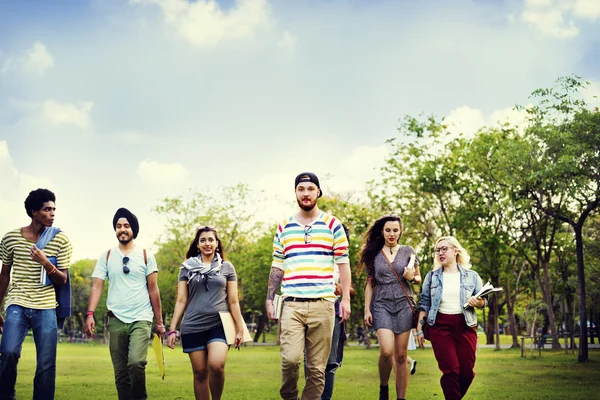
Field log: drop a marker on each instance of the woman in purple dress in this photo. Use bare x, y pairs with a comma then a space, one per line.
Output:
389, 266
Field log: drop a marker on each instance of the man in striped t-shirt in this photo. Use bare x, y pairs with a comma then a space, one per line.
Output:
31, 303
306, 249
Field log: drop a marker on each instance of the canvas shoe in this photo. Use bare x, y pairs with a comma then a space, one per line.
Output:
413, 367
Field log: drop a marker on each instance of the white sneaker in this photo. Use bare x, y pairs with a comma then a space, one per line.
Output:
413, 367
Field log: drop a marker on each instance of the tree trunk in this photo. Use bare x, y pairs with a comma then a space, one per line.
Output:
492, 316
496, 326
583, 345
547, 295
512, 321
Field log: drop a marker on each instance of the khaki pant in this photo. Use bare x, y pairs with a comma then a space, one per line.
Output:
305, 325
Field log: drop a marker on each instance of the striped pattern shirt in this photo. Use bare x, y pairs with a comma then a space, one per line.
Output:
307, 254
25, 288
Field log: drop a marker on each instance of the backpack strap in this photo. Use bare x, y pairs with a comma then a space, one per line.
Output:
145, 257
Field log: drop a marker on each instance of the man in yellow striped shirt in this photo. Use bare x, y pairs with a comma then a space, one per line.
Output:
31, 302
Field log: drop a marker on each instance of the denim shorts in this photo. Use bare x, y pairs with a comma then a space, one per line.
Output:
198, 341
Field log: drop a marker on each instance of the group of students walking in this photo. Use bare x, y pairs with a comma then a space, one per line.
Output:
310, 268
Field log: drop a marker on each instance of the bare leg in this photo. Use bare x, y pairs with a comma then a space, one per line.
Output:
199, 361
400, 357
386, 354
217, 355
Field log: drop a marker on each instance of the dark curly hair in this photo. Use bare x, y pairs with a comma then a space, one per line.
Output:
36, 199
374, 241
193, 251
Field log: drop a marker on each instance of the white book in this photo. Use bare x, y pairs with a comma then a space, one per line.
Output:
485, 289
278, 305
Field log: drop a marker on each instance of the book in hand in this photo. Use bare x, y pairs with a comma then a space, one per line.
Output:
277, 306
485, 290
44, 278
229, 328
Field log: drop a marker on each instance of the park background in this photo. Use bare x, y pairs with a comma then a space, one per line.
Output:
477, 119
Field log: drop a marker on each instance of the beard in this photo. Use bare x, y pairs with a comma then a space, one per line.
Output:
306, 207
125, 240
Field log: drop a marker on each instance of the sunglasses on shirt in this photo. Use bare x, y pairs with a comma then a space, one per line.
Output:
125, 267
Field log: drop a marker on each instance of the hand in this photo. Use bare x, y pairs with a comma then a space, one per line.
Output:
344, 310
171, 339
421, 340
338, 289
38, 255
270, 310
239, 338
476, 302
368, 318
160, 330
409, 273
1, 323
90, 325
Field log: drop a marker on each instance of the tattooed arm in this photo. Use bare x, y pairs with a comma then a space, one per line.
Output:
275, 278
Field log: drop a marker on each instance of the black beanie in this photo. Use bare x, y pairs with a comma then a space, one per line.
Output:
132, 219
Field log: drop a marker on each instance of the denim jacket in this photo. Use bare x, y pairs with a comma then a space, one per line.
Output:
431, 294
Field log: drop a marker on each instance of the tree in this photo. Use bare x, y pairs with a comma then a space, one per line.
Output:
565, 140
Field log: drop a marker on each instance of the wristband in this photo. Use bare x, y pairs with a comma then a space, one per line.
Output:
89, 313
420, 332
171, 333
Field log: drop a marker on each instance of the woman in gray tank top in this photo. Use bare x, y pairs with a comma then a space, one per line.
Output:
207, 285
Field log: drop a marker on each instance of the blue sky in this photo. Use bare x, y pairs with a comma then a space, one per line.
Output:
115, 103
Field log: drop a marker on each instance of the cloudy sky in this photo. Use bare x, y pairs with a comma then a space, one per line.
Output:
114, 103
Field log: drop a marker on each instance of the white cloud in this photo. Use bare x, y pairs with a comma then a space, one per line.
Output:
35, 60
14, 187
465, 120
58, 113
162, 174
204, 23
587, 9
287, 41
557, 18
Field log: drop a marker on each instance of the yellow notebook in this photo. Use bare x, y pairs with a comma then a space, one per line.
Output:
157, 346
229, 328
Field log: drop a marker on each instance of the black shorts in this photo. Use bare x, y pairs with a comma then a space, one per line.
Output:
198, 341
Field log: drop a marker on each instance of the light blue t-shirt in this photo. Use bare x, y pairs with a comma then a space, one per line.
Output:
128, 296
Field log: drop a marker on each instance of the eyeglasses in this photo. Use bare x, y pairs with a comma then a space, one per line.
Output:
125, 267
441, 250
307, 236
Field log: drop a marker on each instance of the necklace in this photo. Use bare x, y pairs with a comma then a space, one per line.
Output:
391, 248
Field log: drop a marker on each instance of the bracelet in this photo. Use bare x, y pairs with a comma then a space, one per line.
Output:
420, 332
414, 280
171, 333
89, 313
54, 269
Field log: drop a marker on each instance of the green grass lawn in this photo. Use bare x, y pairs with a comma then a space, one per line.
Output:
85, 372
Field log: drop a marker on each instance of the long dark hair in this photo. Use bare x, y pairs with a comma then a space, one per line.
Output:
193, 251
374, 241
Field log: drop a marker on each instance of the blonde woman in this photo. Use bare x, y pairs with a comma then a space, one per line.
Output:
452, 327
